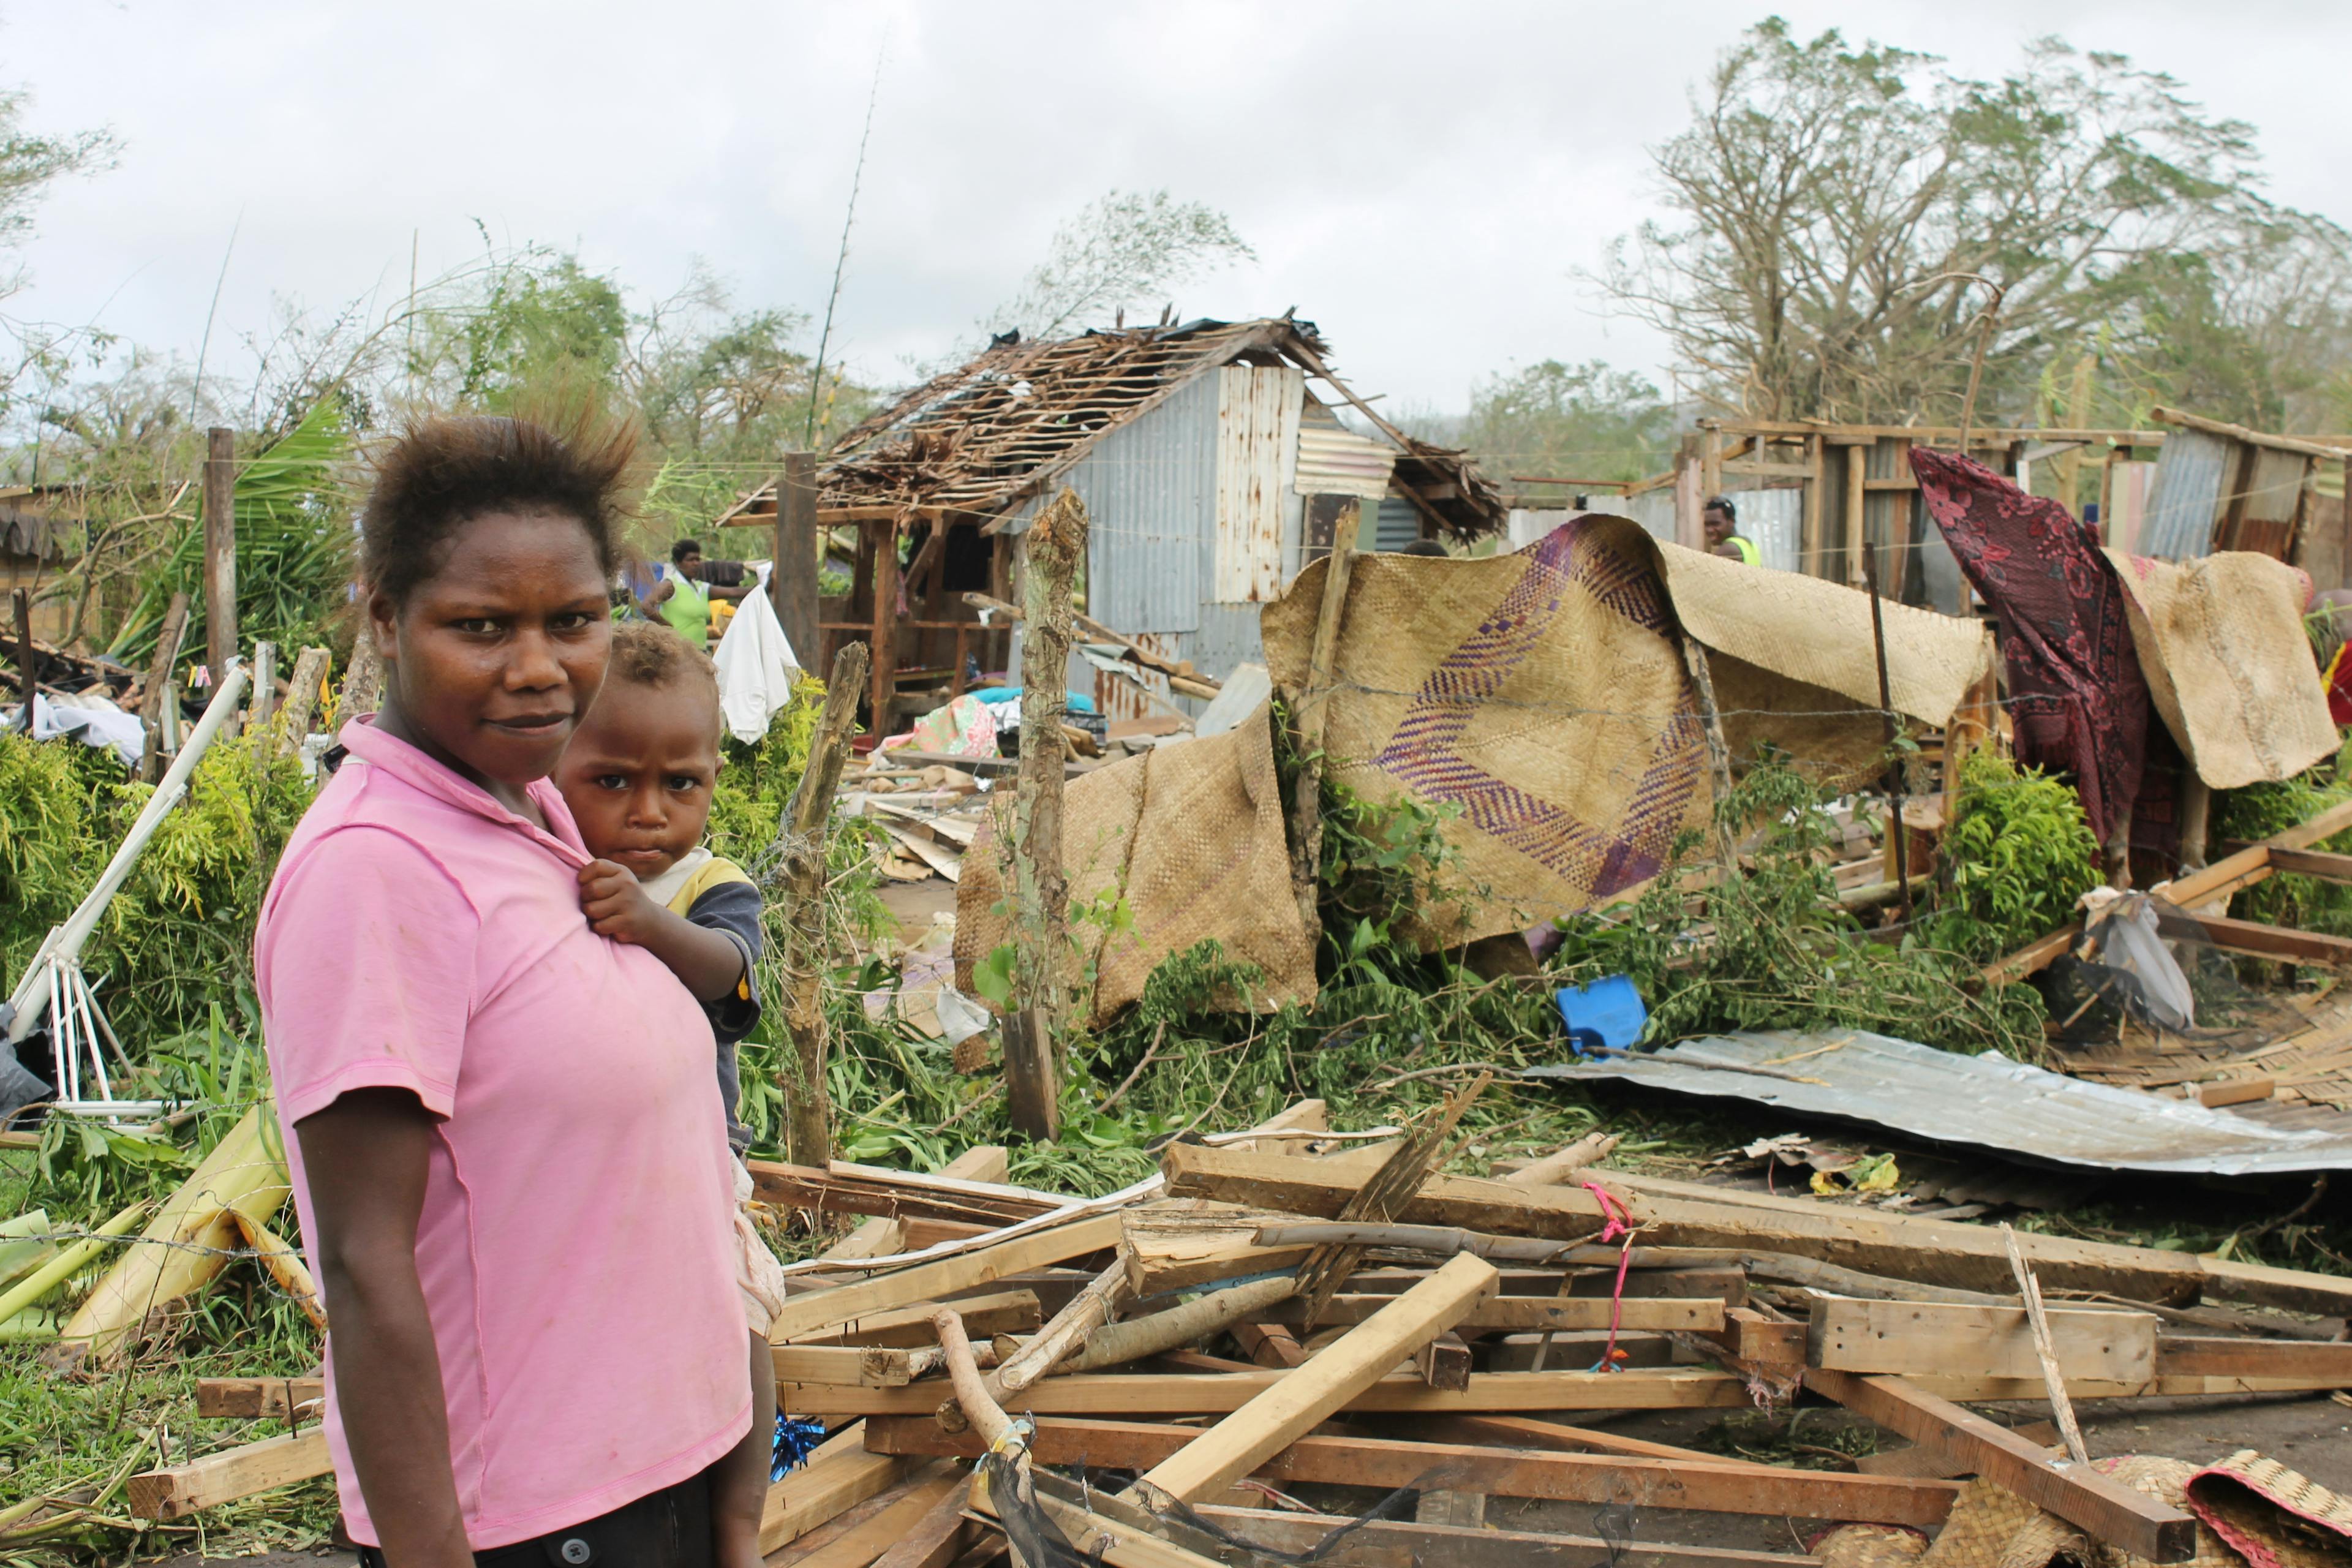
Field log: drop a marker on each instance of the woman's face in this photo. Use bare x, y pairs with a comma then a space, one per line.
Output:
490, 662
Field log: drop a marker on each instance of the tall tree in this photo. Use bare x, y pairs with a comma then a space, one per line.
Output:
1838, 204
1121, 250
1552, 420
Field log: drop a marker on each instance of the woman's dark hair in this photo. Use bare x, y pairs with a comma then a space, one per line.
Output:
449, 469
682, 549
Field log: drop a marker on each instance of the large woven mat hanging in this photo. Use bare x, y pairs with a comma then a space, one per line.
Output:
1538, 697
2222, 642
1192, 835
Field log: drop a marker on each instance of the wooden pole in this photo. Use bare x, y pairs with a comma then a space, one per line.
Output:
798, 859
885, 625
1895, 831
1718, 750
159, 680
1051, 551
364, 681
1857, 479
2029, 1292
1309, 716
27, 660
792, 581
220, 550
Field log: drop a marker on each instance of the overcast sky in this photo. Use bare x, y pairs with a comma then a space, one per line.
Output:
1423, 180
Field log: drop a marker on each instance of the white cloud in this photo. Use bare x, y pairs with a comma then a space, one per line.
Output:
1421, 180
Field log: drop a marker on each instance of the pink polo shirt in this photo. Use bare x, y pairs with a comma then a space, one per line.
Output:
574, 1245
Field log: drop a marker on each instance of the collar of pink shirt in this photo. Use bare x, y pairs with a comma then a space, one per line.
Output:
420, 772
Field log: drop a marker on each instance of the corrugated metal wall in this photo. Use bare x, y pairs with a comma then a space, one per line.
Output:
1398, 525
1654, 509
1258, 409
1773, 520
2191, 469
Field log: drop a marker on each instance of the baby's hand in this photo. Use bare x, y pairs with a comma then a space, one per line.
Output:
616, 902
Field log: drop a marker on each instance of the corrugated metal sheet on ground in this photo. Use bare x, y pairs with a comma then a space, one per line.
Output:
2186, 495
1987, 1101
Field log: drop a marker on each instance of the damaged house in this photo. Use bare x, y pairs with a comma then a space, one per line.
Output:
1214, 463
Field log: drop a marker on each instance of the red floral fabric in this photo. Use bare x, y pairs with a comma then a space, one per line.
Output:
2077, 697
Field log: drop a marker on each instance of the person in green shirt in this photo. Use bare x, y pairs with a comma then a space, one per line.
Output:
683, 597
1721, 520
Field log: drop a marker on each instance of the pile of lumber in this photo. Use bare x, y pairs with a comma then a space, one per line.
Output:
1006, 1372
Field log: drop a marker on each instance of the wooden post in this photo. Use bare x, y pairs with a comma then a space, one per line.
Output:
792, 580
1051, 550
798, 857
1857, 471
1896, 832
1310, 713
27, 660
1710, 473
1690, 531
1718, 750
220, 551
885, 625
1816, 506
158, 677
265, 684
301, 701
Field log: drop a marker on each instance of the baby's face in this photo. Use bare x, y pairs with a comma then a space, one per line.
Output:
637, 775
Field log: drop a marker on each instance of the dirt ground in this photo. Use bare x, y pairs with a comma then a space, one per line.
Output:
915, 902
2312, 1434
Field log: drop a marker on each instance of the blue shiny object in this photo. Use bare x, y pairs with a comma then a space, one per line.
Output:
1606, 1016
796, 1437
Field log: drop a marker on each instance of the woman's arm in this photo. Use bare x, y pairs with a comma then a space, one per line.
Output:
365, 1159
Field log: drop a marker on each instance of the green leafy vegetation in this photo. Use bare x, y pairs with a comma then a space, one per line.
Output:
2020, 853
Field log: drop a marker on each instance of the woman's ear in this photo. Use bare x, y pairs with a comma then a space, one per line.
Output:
383, 625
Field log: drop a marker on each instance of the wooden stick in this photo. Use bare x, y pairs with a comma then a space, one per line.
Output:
301, 699
27, 661
159, 680
799, 848
792, 579
1234, 1447
1087, 1310
2045, 1350
1051, 550
1310, 714
986, 1417
1195, 1319
1588, 1150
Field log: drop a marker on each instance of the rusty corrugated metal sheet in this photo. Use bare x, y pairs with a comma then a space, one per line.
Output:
1258, 456
1333, 461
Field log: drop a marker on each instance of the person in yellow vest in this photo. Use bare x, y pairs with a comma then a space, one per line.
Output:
1721, 520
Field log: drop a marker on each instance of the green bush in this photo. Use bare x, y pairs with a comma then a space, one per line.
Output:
2019, 853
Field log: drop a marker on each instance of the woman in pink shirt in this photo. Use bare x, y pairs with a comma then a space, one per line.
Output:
508, 1152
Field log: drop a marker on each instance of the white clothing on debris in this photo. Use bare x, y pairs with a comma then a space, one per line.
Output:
757, 668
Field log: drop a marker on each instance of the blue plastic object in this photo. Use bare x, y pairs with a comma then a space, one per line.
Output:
1606, 1016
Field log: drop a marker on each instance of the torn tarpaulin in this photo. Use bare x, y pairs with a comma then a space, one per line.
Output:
1988, 1101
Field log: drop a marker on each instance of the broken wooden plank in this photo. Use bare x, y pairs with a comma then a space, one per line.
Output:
934, 1541
1704, 1484
1940, 1252
1388, 1543
843, 1188
2281, 943
260, 1398
2107, 1509
1112, 1394
869, 1530
996, 1312
2320, 1364
1905, 1337
814, 1310
1536, 1314
178, 1491
1301, 1399
840, 1474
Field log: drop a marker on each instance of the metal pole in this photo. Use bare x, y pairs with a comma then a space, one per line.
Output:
1887, 717
63, 944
